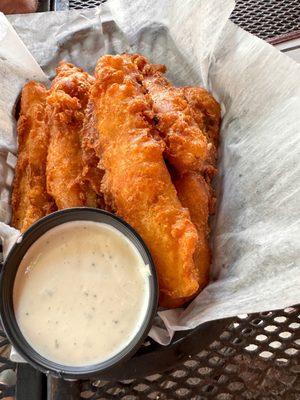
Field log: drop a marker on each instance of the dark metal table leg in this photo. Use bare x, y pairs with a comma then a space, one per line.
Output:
59, 389
31, 384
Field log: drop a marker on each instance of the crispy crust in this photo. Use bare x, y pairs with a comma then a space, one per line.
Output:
66, 104
186, 143
92, 172
30, 200
136, 181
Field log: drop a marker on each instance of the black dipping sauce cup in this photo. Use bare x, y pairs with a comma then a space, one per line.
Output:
9, 272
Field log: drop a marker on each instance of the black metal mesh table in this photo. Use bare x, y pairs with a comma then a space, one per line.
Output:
264, 18
248, 357
255, 357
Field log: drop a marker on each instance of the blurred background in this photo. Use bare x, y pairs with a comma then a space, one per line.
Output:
266, 19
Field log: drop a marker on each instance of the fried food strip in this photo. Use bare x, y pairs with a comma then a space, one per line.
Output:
186, 144
195, 194
66, 104
206, 112
136, 181
193, 190
91, 173
30, 200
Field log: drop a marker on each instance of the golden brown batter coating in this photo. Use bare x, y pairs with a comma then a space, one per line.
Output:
136, 181
66, 104
92, 172
30, 200
186, 144
206, 112
195, 195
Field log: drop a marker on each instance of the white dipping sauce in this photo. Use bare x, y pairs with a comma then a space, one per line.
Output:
81, 293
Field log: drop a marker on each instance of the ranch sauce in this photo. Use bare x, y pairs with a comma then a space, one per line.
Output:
81, 293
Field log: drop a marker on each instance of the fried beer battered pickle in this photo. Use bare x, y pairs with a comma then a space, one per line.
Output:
66, 105
136, 182
186, 144
30, 200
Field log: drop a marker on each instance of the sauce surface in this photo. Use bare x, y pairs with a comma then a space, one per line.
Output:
81, 293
